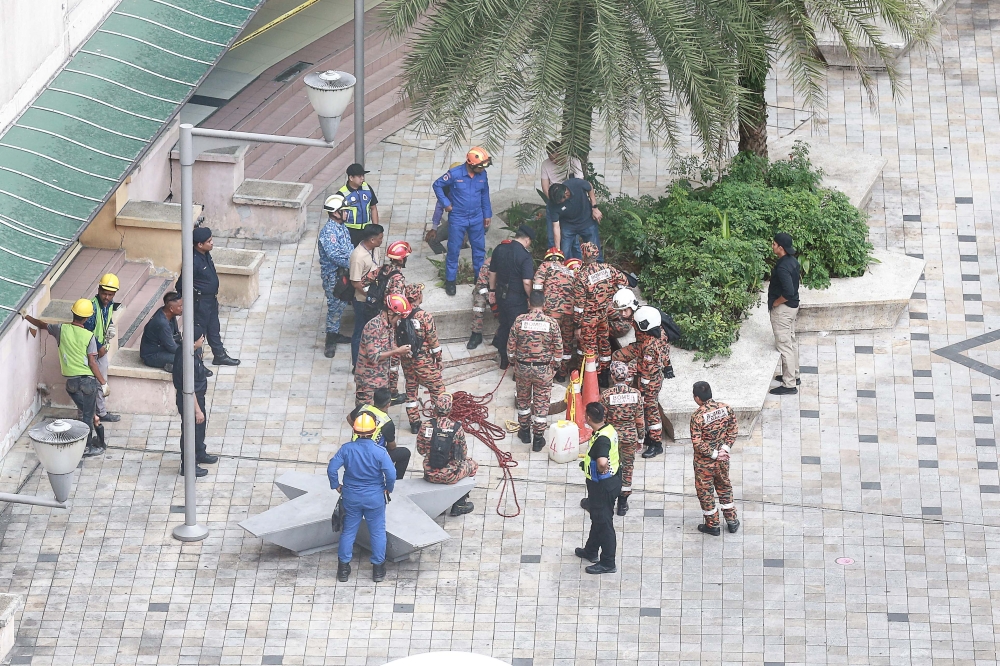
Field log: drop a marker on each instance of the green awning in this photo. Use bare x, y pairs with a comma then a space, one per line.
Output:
71, 149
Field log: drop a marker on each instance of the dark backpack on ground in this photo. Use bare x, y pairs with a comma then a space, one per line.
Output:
442, 446
376, 292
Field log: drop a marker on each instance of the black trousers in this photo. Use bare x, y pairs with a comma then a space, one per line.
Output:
83, 390
602, 510
199, 428
158, 359
400, 457
509, 309
206, 313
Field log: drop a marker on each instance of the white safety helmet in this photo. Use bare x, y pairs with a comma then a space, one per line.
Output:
647, 318
625, 298
333, 203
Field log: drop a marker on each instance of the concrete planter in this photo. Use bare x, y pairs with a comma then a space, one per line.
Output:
239, 275
139, 389
874, 300
10, 604
151, 231
270, 210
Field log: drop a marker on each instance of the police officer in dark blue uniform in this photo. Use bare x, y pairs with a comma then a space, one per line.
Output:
206, 296
511, 273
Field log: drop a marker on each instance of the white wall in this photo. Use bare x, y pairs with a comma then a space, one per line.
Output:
36, 38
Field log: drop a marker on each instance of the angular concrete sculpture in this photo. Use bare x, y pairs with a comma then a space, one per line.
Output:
303, 524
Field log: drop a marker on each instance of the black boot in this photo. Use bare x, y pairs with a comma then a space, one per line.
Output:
475, 340
653, 448
398, 399
585, 504
712, 531
538, 443
224, 359
524, 434
378, 572
330, 350
733, 525
622, 505
415, 427
343, 571
462, 507
604, 378
449, 288
560, 377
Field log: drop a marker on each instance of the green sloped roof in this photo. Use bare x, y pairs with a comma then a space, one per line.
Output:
69, 151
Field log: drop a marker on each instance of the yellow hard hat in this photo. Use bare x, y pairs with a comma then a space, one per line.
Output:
109, 282
364, 424
84, 308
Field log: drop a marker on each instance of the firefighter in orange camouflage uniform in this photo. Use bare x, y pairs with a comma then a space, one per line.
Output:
423, 365
535, 349
556, 281
480, 301
623, 408
441, 441
713, 433
595, 285
645, 353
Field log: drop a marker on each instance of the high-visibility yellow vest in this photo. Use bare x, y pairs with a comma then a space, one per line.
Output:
381, 418
101, 326
352, 199
590, 465
73, 343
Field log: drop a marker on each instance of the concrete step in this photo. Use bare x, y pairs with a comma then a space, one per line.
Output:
80, 278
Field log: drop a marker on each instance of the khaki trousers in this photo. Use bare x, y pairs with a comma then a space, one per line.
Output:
783, 326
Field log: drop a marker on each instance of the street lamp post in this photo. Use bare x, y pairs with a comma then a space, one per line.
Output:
329, 93
359, 73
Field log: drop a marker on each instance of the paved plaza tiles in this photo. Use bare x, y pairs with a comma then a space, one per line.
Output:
887, 457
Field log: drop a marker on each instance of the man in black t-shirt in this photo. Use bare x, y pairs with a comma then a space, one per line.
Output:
575, 216
511, 273
783, 306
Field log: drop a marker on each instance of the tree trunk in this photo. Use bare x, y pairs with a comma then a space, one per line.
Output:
753, 112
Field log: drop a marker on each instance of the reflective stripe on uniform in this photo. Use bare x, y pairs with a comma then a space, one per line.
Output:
658, 426
523, 412
536, 286
626, 489
479, 309
644, 381
710, 513
484, 290
727, 506
567, 357
605, 359
540, 419
411, 404
576, 309
436, 350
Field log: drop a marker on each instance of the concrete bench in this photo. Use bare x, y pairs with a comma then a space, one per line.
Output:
302, 524
10, 604
139, 389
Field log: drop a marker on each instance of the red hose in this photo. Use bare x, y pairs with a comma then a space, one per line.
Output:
472, 412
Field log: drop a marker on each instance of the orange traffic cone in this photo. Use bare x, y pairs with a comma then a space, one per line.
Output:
574, 406
591, 391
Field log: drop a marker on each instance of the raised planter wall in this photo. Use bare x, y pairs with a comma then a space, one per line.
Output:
239, 275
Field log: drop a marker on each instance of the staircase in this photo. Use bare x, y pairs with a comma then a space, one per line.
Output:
272, 107
140, 292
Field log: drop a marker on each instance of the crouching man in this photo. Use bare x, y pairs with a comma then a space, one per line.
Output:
446, 456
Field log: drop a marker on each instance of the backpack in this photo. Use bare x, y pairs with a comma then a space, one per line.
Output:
406, 334
669, 327
376, 292
442, 446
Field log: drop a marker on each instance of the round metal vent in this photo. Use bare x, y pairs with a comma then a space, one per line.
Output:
61, 431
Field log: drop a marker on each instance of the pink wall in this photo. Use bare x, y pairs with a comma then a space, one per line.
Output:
21, 357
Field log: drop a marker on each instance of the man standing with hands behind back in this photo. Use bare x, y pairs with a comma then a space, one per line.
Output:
467, 201
783, 306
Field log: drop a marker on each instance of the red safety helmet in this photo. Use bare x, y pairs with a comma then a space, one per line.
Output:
398, 250
572, 263
398, 305
478, 157
554, 253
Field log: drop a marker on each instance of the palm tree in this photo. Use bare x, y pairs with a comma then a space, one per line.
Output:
791, 37
545, 66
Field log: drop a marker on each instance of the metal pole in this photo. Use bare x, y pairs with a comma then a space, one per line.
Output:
30, 499
359, 86
190, 530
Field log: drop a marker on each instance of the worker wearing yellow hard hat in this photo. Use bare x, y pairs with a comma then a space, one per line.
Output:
78, 361
102, 323
369, 477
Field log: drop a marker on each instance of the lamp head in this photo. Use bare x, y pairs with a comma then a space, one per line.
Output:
329, 94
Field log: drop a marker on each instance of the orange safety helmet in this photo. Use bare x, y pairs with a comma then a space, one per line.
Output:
399, 250
554, 253
572, 263
397, 304
365, 424
478, 157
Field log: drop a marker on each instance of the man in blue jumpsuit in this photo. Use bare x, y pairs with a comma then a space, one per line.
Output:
369, 477
468, 204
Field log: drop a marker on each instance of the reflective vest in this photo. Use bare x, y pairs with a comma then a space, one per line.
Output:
381, 418
73, 343
590, 466
359, 204
101, 326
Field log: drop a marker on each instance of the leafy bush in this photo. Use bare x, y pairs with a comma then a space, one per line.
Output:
464, 275
703, 253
